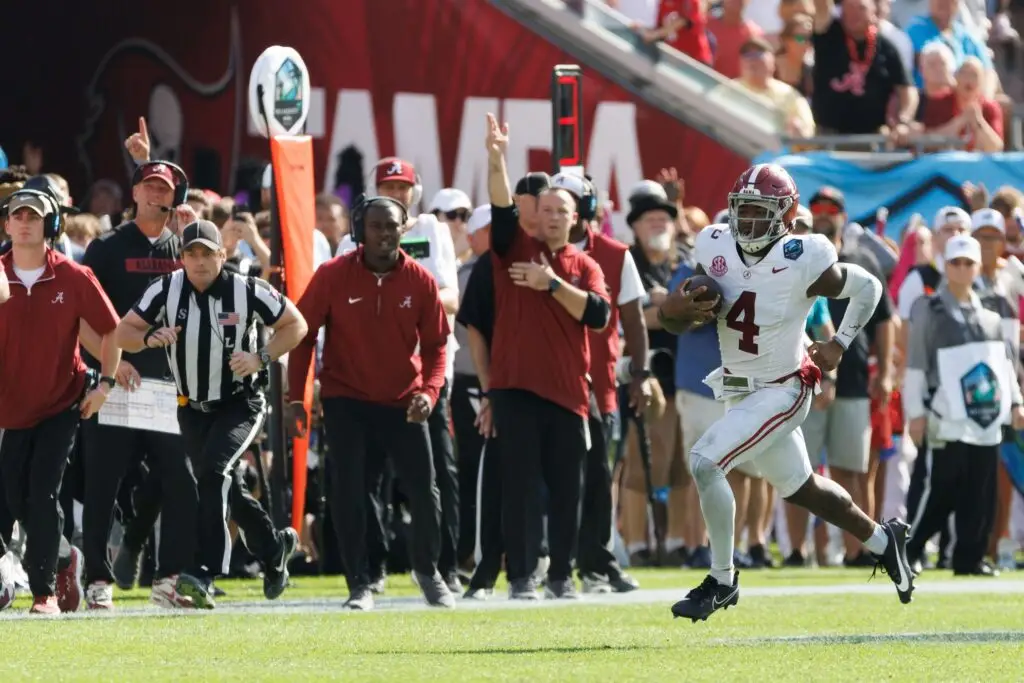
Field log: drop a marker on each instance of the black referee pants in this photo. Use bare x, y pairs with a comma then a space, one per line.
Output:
446, 470
357, 430
595, 553
540, 443
110, 454
961, 481
214, 442
489, 541
32, 463
469, 442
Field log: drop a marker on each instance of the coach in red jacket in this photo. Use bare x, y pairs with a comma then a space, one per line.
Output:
547, 293
44, 391
383, 368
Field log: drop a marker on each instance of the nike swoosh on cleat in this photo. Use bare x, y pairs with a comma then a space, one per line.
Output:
715, 604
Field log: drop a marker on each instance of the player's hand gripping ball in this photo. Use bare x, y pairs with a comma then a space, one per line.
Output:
712, 292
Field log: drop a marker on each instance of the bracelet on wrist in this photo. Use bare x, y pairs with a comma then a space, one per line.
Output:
145, 337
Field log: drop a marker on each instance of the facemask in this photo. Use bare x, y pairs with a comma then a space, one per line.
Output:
662, 242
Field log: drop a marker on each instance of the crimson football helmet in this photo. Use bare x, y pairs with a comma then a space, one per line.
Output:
762, 206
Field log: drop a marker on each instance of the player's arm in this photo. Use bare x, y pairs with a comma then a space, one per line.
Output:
681, 312
845, 281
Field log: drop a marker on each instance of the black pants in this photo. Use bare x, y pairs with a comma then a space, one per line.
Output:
961, 481
490, 544
138, 503
595, 554
541, 443
355, 431
380, 484
446, 470
918, 479
32, 463
110, 455
469, 442
214, 443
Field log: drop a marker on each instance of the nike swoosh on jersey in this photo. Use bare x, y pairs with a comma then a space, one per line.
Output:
715, 604
352, 301
779, 270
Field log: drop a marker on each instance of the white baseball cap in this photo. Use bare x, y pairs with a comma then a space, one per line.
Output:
571, 183
480, 219
951, 214
963, 246
450, 199
988, 218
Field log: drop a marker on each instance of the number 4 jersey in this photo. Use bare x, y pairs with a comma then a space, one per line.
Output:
761, 323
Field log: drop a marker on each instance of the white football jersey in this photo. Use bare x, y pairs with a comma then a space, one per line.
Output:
762, 319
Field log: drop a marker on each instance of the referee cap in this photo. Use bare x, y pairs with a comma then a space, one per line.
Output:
201, 232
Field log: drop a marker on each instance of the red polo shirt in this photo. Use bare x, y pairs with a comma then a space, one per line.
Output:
40, 365
386, 336
538, 346
604, 345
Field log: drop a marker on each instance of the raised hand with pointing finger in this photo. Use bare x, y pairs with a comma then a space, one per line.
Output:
497, 136
137, 144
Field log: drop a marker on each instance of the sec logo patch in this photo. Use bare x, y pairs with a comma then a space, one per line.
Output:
718, 266
793, 249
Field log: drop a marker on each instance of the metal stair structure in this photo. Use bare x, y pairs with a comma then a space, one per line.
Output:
692, 93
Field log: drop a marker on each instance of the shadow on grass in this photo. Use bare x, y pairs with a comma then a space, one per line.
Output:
943, 638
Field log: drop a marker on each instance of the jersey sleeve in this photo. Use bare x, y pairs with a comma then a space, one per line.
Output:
268, 303
818, 255
631, 286
152, 305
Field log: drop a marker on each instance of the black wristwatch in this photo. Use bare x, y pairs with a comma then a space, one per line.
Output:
265, 358
554, 285
109, 381
642, 373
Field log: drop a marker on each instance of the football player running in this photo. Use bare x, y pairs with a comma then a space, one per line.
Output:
768, 279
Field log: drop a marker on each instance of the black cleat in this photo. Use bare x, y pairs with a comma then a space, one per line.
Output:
894, 560
199, 588
707, 598
275, 575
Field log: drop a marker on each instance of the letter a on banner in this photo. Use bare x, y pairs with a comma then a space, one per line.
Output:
292, 158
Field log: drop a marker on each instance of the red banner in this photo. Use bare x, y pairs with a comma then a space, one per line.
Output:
407, 77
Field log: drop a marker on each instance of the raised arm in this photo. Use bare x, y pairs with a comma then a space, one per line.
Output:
504, 222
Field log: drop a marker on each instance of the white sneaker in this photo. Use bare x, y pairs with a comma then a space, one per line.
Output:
165, 594
99, 595
7, 590
540, 573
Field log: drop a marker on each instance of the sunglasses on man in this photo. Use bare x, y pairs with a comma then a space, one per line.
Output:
825, 209
457, 214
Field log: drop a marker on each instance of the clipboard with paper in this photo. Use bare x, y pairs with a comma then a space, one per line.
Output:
153, 407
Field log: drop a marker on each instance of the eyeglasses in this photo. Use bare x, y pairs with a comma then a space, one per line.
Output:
960, 262
825, 209
459, 214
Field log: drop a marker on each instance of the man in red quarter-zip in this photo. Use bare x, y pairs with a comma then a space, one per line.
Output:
45, 389
383, 369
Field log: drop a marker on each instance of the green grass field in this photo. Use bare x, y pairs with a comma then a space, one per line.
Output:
942, 636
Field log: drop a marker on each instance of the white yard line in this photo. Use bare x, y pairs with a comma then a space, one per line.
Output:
500, 602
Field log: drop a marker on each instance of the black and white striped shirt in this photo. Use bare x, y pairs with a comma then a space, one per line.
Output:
214, 324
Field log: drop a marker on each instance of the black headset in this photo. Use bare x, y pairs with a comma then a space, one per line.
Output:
363, 204
51, 221
587, 208
180, 189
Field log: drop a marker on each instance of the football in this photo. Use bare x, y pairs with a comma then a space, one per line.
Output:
712, 291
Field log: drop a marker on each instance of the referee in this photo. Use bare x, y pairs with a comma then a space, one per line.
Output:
206, 319
547, 293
